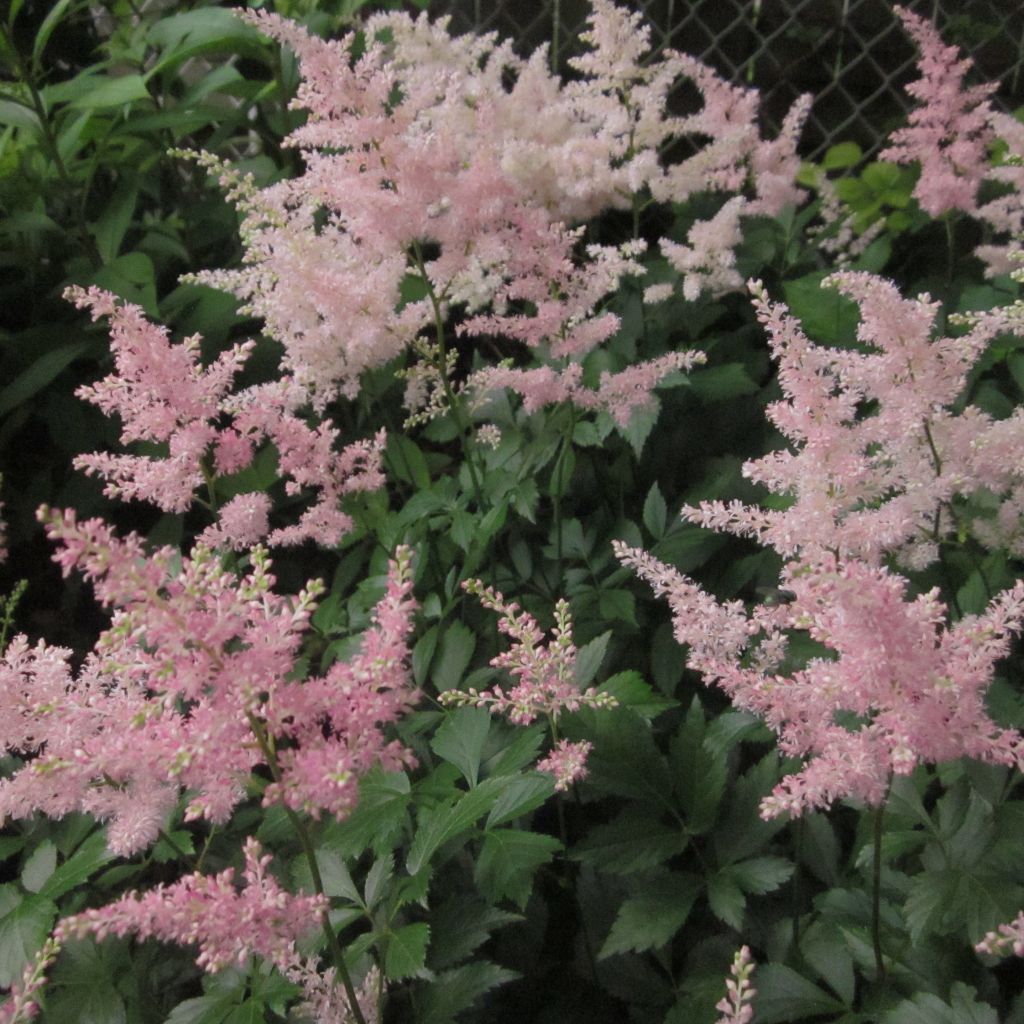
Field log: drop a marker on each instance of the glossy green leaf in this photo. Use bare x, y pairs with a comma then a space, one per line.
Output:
453, 991
783, 996
508, 861
24, 924
406, 951
520, 795
651, 918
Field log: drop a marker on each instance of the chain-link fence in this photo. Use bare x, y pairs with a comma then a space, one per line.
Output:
852, 55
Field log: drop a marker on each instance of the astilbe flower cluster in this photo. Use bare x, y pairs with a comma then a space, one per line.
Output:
736, 1006
949, 136
877, 464
229, 925
20, 1004
545, 675
163, 394
190, 688
878, 457
452, 160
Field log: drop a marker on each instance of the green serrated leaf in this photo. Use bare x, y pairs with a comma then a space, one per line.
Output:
699, 776
667, 661
378, 819
824, 947
717, 383
423, 654
520, 795
439, 825
925, 1008
635, 841
520, 748
589, 658
761, 875
23, 928
455, 652
784, 996
334, 874
406, 952
456, 990
461, 925
211, 1009
726, 899
376, 880
633, 692
650, 919
39, 866
626, 761
508, 861
460, 740
655, 512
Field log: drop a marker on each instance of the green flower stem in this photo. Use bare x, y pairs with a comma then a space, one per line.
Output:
559, 482
302, 834
876, 893
454, 401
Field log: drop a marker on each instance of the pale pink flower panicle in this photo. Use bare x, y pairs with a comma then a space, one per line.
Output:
451, 160
186, 688
566, 763
620, 394
949, 133
228, 924
323, 998
736, 1006
1005, 939
545, 674
163, 394
865, 483
336, 721
912, 686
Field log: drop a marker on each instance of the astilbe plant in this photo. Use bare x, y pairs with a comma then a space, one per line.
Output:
163, 394
545, 681
190, 689
949, 136
440, 217
878, 464
423, 163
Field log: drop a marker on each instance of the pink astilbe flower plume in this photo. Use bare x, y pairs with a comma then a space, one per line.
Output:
545, 674
878, 464
566, 763
162, 393
1006, 939
452, 161
735, 1007
864, 484
187, 688
913, 686
949, 133
227, 924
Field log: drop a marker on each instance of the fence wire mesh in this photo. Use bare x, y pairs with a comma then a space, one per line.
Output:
852, 55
